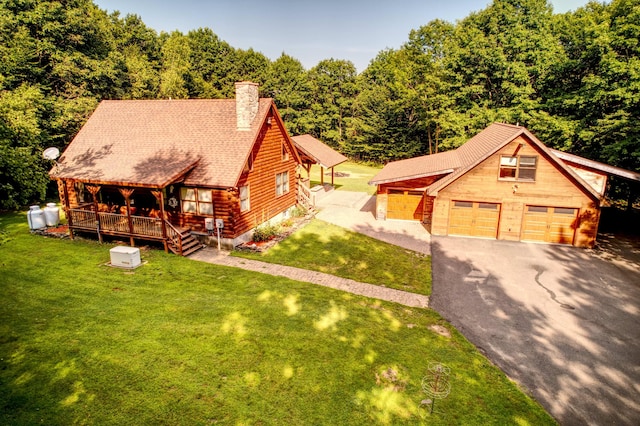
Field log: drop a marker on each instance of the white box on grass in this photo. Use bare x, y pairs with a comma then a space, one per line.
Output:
125, 257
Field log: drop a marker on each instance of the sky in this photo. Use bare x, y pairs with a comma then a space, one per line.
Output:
308, 30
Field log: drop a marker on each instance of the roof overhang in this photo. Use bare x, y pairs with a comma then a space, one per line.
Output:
417, 176
595, 165
159, 177
317, 151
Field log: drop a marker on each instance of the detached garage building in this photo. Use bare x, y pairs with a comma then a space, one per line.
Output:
503, 183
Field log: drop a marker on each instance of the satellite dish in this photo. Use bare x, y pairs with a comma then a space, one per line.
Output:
51, 153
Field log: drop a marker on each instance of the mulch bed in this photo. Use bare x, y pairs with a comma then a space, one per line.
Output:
260, 246
60, 231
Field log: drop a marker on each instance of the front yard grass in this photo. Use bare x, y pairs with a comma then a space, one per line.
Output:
324, 247
181, 342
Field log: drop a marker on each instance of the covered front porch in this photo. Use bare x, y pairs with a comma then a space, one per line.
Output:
133, 213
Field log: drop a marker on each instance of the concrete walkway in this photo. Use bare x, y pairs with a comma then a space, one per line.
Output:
212, 255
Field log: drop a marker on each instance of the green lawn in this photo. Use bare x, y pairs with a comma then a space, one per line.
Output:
181, 342
349, 176
323, 247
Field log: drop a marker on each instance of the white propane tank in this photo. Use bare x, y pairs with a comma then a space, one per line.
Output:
52, 214
35, 216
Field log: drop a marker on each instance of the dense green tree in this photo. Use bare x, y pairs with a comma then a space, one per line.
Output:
56, 60
213, 64
572, 79
287, 84
386, 126
140, 50
498, 60
332, 85
250, 66
23, 178
596, 87
176, 63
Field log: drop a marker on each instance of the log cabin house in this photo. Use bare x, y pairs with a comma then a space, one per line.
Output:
503, 183
173, 170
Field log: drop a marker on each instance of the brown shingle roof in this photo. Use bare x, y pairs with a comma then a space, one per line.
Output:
418, 167
318, 151
153, 142
472, 152
479, 148
466, 157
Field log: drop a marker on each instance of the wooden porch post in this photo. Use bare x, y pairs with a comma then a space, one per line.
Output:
321, 175
94, 189
66, 207
126, 193
332, 173
160, 199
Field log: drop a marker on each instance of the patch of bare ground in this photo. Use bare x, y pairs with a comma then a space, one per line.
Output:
441, 330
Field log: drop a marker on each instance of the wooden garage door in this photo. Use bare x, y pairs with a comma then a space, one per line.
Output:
474, 219
549, 224
405, 204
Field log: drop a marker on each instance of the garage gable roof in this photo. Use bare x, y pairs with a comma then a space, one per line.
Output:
457, 162
454, 162
493, 138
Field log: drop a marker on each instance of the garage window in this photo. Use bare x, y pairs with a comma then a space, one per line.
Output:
521, 168
536, 209
463, 204
488, 206
562, 210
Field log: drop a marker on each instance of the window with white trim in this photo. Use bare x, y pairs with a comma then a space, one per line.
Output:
282, 183
196, 200
521, 168
245, 204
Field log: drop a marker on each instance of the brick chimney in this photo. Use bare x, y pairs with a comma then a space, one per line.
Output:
246, 104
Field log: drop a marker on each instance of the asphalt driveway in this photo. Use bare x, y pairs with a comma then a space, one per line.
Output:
563, 322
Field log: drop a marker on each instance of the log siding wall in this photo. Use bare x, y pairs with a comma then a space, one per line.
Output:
268, 161
552, 187
261, 180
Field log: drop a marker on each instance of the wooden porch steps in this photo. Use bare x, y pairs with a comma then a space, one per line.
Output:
190, 244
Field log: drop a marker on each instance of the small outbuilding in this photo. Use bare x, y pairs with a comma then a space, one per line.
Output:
313, 151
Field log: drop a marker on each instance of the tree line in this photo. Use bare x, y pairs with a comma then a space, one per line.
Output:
573, 79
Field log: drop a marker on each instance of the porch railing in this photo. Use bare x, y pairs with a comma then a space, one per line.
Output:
116, 223
175, 238
304, 194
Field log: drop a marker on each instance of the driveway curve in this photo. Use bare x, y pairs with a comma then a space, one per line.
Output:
561, 321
